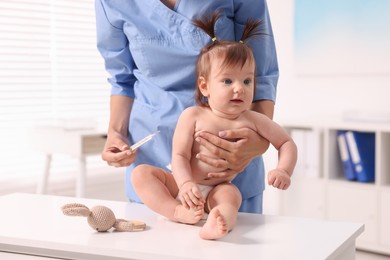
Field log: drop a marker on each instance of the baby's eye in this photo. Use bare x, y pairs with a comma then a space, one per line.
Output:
247, 81
227, 81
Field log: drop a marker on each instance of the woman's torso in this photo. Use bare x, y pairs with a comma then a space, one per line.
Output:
164, 45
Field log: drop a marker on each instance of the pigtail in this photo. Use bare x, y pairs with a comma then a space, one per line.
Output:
207, 24
251, 30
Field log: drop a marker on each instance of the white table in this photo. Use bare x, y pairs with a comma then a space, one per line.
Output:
34, 224
76, 143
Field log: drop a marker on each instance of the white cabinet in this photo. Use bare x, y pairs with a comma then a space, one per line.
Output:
384, 220
354, 203
328, 194
305, 199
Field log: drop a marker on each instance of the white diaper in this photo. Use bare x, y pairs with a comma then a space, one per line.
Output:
205, 189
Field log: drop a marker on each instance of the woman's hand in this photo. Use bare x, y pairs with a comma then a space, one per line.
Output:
190, 195
233, 155
117, 151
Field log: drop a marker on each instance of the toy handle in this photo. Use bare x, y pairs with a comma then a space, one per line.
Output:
129, 225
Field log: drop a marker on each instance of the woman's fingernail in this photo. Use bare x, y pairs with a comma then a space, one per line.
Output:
221, 133
197, 139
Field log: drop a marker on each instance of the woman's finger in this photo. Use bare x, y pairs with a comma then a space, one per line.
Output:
224, 174
236, 133
115, 156
215, 162
216, 145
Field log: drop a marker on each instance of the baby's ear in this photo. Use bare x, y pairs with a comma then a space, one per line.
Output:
75, 209
202, 85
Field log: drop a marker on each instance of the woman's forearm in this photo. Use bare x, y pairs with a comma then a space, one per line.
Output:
120, 108
265, 107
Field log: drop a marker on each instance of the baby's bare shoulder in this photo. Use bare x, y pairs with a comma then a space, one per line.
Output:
193, 111
253, 115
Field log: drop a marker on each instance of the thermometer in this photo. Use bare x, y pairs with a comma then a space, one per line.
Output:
143, 141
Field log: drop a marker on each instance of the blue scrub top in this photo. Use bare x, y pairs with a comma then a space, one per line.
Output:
150, 52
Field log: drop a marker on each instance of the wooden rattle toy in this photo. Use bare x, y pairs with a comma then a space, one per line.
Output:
101, 218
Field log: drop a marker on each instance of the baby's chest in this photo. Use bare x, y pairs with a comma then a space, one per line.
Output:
214, 126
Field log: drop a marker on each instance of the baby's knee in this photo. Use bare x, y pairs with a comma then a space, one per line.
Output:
140, 173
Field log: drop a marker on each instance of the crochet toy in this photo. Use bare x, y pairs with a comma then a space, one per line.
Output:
101, 218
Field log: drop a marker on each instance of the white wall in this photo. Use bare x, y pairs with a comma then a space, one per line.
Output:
315, 96
307, 97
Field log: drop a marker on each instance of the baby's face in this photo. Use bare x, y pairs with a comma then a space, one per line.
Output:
231, 89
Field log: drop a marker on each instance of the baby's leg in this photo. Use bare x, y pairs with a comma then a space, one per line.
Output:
158, 190
224, 201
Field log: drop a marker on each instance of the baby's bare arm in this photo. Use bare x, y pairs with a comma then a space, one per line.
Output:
183, 139
287, 151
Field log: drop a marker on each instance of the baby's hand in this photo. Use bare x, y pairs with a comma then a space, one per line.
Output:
190, 195
279, 179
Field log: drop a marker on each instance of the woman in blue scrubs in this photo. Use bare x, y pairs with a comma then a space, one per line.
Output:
150, 48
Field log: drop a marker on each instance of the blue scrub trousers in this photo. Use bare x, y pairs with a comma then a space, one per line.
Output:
252, 205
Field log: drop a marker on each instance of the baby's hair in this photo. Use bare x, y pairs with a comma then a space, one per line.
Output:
207, 25
251, 30
233, 52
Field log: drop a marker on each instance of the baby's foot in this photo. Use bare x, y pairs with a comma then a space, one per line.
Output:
188, 216
215, 226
